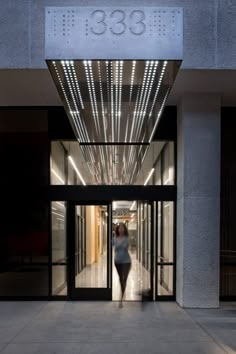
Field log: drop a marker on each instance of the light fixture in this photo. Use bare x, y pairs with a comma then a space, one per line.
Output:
114, 101
60, 204
133, 205
149, 176
62, 216
56, 174
76, 170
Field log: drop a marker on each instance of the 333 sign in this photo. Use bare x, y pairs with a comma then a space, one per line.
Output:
117, 22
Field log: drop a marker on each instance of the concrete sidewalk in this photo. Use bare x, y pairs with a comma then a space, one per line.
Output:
101, 327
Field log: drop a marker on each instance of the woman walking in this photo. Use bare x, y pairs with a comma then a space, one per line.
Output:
122, 257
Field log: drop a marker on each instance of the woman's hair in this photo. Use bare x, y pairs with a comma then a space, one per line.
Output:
125, 229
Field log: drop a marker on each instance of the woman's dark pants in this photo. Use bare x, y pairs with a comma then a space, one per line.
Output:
123, 271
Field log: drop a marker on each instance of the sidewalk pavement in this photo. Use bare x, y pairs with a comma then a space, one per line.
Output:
102, 327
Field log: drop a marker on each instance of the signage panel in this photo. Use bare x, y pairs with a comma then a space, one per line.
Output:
114, 33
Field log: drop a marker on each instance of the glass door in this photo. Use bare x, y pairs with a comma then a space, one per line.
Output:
137, 217
90, 251
165, 264
146, 253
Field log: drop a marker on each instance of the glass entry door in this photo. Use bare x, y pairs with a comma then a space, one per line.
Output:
90, 251
137, 217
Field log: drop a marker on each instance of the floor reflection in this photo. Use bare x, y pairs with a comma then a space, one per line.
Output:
95, 276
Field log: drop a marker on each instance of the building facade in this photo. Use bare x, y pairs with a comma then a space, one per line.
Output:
62, 193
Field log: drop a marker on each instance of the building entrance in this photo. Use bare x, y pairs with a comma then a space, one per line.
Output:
91, 235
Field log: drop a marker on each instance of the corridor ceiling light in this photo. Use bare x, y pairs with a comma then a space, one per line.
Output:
55, 174
76, 170
62, 216
60, 204
133, 205
60, 219
149, 176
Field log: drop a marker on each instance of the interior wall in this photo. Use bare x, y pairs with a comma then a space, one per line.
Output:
90, 234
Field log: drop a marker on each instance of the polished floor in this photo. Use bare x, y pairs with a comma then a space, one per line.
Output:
32, 327
95, 275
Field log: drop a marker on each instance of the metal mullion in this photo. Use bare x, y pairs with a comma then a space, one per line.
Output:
166, 264
50, 250
109, 247
152, 248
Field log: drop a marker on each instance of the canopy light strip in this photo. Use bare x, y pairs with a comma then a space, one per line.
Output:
114, 101
76, 170
149, 176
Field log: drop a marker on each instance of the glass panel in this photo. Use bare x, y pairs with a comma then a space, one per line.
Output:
168, 164
157, 173
24, 279
165, 280
227, 280
59, 283
165, 247
91, 246
71, 175
58, 224
168, 230
58, 232
24, 248
165, 232
57, 171
135, 215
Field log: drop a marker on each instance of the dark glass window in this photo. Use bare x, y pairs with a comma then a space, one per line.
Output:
24, 246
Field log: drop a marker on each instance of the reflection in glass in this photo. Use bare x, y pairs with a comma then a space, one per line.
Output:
168, 164
227, 279
59, 285
165, 248
57, 168
91, 246
24, 249
58, 225
168, 229
157, 174
165, 280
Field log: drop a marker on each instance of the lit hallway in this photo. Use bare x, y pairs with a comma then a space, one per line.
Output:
101, 327
96, 274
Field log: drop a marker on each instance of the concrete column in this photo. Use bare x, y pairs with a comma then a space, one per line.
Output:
198, 201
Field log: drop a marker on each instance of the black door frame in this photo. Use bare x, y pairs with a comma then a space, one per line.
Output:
86, 293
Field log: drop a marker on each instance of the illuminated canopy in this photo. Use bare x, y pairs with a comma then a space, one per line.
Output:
114, 69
